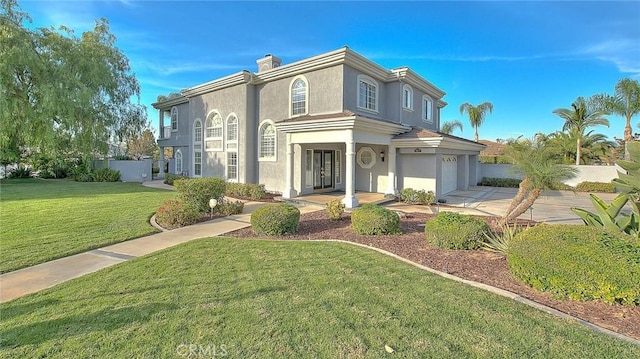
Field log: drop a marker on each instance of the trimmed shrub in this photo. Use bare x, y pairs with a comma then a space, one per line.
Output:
198, 191
228, 208
335, 209
172, 214
410, 195
275, 219
559, 186
606, 187
105, 175
456, 231
169, 178
581, 263
373, 219
500, 182
251, 191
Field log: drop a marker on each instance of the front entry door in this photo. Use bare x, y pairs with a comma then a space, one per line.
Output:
323, 163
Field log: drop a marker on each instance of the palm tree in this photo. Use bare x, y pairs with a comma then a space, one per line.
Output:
449, 126
582, 115
476, 114
533, 159
625, 102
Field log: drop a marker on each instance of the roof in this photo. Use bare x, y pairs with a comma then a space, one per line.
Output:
421, 133
324, 116
493, 148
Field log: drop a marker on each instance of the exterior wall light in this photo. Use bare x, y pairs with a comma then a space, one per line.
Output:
382, 156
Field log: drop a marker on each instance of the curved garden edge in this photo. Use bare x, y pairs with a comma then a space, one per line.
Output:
492, 289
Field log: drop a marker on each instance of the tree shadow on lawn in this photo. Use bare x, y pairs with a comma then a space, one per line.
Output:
67, 326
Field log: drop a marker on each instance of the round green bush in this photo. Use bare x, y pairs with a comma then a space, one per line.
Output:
578, 262
456, 231
275, 219
373, 219
198, 191
173, 214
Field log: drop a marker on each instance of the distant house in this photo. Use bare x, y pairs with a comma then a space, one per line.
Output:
332, 122
493, 151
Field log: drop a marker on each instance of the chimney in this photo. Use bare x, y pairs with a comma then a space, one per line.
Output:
268, 62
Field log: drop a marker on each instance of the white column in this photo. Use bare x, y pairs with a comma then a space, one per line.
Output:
289, 191
161, 163
350, 200
391, 165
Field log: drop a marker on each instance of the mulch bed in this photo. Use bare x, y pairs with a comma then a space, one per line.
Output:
477, 265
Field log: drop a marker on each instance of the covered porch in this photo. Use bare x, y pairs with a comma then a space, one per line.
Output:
333, 152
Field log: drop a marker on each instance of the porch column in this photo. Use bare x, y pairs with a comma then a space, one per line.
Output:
289, 191
350, 200
161, 136
391, 165
161, 164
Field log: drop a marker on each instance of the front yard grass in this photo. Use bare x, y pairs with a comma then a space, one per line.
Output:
283, 299
45, 220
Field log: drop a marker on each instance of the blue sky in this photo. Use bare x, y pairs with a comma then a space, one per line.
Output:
527, 58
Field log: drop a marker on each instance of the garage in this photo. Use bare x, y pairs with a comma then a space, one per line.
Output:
449, 173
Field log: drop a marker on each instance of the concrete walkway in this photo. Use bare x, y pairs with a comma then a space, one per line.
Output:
33, 279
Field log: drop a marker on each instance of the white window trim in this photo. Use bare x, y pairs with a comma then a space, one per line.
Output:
370, 81
409, 106
226, 166
174, 110
425, 99
306, 96
275, 143
193, 162
226, 130
338, 167
232, 150
211, 114
359, 157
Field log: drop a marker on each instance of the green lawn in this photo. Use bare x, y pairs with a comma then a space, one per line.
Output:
44, 220
283, 299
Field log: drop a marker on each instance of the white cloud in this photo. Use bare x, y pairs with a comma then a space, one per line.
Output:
623, 53
168, 68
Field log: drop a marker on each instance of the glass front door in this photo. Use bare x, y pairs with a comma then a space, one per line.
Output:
323, 164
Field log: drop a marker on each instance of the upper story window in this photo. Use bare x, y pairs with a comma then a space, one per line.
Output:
174, 119
299, 93
367, 93
232, 132
407, 97
427, 109
213, 132
267, 141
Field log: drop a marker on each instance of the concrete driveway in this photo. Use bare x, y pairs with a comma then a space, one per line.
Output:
550, 207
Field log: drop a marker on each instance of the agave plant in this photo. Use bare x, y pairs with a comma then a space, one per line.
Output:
610, 216
499, 242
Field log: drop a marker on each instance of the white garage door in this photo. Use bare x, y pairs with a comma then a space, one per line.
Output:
449, 173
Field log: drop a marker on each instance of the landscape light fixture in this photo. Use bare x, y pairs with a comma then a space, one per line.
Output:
212, 204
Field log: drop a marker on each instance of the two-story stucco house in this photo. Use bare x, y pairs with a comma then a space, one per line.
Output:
332, 122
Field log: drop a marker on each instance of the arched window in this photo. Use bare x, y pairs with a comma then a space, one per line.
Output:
232, 132
407, 97
174, 119
427, 109
298, 97
267, 141
232, 148
197, 148
179, 162
213, 132
367, 93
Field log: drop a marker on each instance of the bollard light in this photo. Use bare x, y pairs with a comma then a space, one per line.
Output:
212, 203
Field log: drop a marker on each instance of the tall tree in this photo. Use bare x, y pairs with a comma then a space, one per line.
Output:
143, 145
624, 102
53, 83
582, 115
449, 126
476, 114
533, 159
